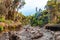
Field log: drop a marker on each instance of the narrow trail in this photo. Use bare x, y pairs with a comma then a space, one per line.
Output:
31, 33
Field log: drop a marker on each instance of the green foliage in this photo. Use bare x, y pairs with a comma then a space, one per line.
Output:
40, 22
59, 17
2, 19
53, 7
9, 14
39, 19
1, 28
24, 20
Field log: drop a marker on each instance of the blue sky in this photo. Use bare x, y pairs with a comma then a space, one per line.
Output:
30, 6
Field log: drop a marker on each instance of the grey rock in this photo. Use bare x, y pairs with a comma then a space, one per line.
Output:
29, 33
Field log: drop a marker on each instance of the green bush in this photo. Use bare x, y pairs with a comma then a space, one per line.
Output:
1, 28
39, 19
40, 22
2, 19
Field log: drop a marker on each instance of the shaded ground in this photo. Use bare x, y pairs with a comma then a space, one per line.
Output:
53, 27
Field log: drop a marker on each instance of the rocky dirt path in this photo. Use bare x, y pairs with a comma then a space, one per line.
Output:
29, 33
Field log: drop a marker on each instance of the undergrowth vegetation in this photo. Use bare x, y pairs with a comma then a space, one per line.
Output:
39, 19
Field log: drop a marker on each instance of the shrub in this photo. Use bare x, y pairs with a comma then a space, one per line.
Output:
2, 19
1, 28
39, 19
